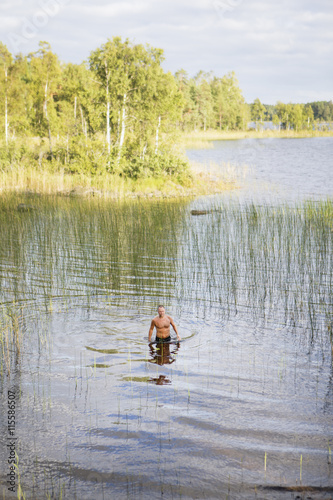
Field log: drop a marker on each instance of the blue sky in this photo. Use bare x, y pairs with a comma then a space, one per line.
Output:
279, 50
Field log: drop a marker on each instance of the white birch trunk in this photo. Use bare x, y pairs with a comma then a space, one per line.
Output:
50, 139
82, 119
6, 109
157, 131
144, 151
118, 128
67, 150
45, 100
47, 118
123, 128
108, 140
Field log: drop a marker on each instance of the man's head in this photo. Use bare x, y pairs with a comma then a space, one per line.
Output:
161, 311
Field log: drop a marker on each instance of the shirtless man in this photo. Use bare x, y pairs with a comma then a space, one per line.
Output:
162, 324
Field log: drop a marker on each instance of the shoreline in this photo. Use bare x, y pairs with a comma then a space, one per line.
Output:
203, 139
31, 182
198, 181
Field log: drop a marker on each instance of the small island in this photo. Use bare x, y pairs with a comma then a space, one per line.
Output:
118, 125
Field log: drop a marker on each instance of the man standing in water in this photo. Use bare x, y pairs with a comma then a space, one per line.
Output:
162, 324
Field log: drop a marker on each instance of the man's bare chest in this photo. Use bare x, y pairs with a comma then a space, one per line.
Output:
162, 322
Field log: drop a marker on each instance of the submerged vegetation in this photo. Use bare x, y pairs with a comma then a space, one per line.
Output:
10, 337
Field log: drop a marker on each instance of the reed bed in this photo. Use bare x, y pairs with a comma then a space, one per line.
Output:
31, 180
272, 262
66, 249
231, 174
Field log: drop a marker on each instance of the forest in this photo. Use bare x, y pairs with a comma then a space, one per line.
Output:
120, 112
295, 116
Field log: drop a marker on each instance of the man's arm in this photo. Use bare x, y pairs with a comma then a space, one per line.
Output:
174, 327
151, 329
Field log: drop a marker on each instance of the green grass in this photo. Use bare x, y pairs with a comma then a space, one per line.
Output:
25, 167
29, 179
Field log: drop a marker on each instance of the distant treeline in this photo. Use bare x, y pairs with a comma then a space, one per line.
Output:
292, 114
218, 103
211, 102
120, 110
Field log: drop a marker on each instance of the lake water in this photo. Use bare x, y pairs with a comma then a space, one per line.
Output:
279, 169
242, 407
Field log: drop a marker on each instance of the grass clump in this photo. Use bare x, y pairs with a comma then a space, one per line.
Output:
86, 169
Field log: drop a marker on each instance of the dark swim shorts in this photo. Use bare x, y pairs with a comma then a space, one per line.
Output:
159, 340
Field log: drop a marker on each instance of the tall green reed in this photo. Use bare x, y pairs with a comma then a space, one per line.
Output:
271, 262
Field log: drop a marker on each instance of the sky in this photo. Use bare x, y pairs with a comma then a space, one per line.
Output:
279, 50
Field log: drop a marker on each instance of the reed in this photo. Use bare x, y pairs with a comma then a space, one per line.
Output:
20, 493
269, 262
10, 336
272, 262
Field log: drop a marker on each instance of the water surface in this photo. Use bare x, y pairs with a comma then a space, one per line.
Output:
283, 169
241, 408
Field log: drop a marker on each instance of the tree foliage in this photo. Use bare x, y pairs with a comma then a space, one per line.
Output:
212, 102
116, 112
120, 111
293, 116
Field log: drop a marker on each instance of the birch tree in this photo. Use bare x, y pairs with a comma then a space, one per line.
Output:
5, 63
44, 83
258, 111
106, 64
127, 73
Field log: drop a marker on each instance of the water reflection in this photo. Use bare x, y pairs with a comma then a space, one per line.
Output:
161, 354
161, 380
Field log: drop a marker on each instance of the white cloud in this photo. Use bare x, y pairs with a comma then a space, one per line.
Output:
114, 9
9, 23
279, 50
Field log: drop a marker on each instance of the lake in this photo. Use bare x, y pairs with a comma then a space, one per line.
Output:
279, 169
240, 408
